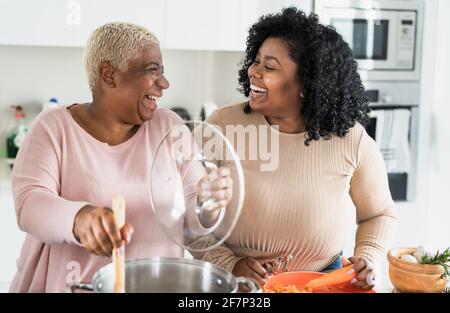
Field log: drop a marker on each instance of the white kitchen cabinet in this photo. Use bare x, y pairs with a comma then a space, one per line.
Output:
217, 24
69, 23
202, 24
179, 24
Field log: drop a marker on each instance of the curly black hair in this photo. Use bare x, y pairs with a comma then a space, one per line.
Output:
333, 94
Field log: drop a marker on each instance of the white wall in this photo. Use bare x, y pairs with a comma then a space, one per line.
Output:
438, 223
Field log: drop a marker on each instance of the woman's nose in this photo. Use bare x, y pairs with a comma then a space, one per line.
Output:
254, 72
163, 82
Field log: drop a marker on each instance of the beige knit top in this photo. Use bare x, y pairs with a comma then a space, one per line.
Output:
307, 207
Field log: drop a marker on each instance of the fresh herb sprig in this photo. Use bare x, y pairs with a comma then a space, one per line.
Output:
439, 258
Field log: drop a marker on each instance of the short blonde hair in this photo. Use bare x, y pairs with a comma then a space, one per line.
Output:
117, 43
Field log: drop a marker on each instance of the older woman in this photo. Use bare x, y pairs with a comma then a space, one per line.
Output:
76, 158
304, 90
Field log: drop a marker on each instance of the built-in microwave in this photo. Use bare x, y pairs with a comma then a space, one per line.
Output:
384, 35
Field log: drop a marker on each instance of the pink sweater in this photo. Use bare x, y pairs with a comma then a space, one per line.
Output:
59, 169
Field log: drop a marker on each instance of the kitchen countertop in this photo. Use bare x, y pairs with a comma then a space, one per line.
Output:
384, 288
383, 283
4, 287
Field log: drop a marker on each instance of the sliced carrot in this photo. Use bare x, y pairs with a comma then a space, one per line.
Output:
336, 277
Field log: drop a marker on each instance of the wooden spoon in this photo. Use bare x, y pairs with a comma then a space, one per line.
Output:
118, 255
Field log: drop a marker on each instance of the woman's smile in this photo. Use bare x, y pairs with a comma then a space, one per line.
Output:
257, 93
150, 102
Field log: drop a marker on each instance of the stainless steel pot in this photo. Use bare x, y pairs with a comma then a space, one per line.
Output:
168, 275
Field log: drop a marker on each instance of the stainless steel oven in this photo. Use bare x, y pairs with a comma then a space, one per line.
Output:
394, 126
385, 36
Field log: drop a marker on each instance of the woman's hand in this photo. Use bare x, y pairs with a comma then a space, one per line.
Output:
365, 275
217, 186
254, 268
250, 267
96, 230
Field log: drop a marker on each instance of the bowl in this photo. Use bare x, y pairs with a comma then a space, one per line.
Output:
414, 277
300, 278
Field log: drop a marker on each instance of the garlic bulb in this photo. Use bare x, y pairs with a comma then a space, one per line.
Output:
408, 258
420, 251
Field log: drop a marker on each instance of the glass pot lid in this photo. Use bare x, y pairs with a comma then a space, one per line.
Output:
197, 186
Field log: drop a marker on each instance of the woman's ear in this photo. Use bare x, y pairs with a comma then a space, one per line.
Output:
107, 74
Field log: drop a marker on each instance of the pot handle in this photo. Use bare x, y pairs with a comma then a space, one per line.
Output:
81, 286
249, 282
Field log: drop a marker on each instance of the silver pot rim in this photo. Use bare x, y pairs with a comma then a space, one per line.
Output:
233, 280
201, 264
